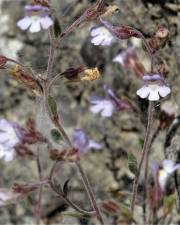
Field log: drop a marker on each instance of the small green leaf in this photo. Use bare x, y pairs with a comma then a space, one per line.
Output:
141, 142
52, 105
169, 202
132, 163
56, 135
57, 28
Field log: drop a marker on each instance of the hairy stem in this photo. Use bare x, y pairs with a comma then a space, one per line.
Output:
90, 193
65, 198
144, 155
151, 55
87, 186
41, 187
51, 55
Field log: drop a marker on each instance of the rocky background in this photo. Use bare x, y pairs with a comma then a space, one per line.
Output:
121, 134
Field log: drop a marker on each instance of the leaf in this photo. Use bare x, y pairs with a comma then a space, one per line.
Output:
56, 135
169, 202
66, 187
57, 28
132, 164
52, 105
126, 214
141, 142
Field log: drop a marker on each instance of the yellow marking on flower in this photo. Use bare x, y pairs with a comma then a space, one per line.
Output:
90, 74
162, 173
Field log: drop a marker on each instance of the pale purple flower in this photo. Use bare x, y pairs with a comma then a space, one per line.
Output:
162, 175
108, 105
101, 36
9, 137
82, 142
126, 57
103, 106
154, 87
169, 108
168, 168
36, 18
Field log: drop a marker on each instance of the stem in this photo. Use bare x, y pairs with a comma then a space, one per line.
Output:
151, 55
87, 186
53, 80
14, 61
65, 198
90, 193
51, 55
40, 189
144, 155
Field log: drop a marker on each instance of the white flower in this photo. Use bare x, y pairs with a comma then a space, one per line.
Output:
6, 154
169, 167
103, 106
101, 36
37, 18
35, 23
8, 140
154, 88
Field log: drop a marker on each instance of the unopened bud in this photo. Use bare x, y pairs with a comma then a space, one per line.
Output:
3, 61
162, 33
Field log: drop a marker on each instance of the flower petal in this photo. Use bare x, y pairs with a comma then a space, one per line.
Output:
154, 169
108, 111
24, 23
106, 108
143, 92
35, 26
162, 178
9, 156
153, 95
46, 22
101, 36
97, 40
97, 107
96, 31
80, 139
169, 166
164, 91
119, 59
107, 42
95, 145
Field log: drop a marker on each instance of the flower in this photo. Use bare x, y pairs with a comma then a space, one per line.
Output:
169, 108
161, 175
37, 17
168, 168
108, 105
129, 60
90, 74
82, 142
104, 106
9, 137
127, 57
154, 88
101, 36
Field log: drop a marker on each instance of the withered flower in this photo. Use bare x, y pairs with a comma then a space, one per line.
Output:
26, 79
